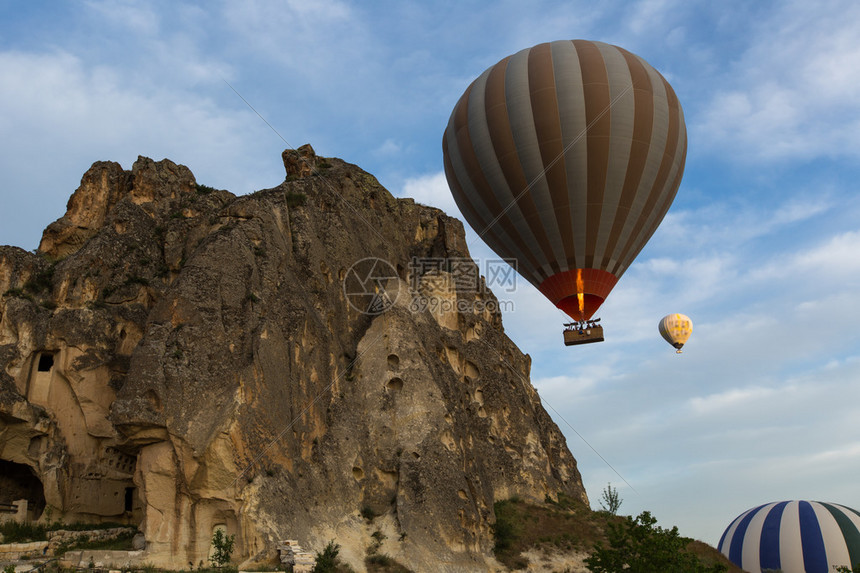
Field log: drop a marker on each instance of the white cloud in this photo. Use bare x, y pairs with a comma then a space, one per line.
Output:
792, 94
432, 190
101, 115
834, 262
139, 17
745, 397
389, 148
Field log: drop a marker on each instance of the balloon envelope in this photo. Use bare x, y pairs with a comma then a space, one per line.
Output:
676, 329
793, 537
564, 158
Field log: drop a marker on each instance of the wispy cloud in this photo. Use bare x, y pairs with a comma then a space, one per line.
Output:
100, 116
792, 93
432, 190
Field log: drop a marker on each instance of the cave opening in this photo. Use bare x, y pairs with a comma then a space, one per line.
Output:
19, 481
46, 362
129, 499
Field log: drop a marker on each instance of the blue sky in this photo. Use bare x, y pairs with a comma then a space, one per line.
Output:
761, 247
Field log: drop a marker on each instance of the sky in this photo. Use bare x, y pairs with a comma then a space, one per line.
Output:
761, 247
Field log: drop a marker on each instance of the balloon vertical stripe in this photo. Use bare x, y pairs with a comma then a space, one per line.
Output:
769, 542
544, 102
523, 121
737, 543
849, 529
640, 141
568, 85
814, 557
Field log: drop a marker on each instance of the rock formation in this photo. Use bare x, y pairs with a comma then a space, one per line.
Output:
181, 359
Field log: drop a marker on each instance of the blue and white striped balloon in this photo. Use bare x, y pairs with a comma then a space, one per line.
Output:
793, 537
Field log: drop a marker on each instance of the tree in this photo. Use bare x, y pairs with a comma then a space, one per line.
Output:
640, 546
327, 561
223, 545
610, 500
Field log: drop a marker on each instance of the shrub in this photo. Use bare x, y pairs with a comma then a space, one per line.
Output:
327, 560
223, 545
640, 546
14, 532
296, 199
610, 500
42, 280
505, 528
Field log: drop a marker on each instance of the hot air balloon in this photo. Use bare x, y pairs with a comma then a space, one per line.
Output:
564, 158
793, 537
676, 329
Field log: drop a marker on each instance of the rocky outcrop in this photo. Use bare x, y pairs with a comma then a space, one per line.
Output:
317, 361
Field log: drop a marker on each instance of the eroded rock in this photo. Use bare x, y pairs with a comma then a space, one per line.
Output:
183, 360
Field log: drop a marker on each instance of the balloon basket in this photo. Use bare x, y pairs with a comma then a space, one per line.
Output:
583, 332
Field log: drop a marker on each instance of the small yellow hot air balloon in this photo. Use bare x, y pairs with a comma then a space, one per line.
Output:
676, 329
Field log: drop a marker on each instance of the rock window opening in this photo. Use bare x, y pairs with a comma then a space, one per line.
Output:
129, 499
46, 362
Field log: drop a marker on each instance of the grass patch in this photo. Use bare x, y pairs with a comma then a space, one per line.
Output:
563, 525
122, 542
14, 532
79, 526
42, 280
296, 199
378, 563
18, 293
137, 280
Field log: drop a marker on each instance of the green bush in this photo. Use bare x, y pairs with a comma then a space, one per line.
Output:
17, 293
296, 199
42, 280
505, 528
327, 560
14, 532
640, 546
223, 545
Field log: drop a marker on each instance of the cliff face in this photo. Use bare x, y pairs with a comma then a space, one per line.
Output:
315, 361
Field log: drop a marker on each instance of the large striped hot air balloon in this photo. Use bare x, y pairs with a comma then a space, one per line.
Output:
793, 537
565, 157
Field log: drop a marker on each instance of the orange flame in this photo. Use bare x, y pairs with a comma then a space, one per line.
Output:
580, 292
